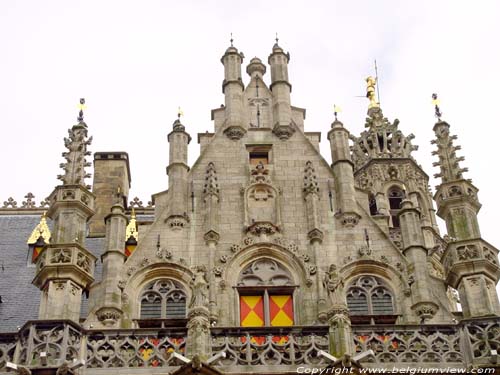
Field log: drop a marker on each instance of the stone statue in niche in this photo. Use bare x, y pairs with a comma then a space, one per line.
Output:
334, 285
199, 285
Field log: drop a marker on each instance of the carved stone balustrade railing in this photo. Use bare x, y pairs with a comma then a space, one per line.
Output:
60, 340
8, 343
273, 346
426, 345
135, 348
280, 349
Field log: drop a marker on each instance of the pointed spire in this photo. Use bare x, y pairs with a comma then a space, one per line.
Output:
41, 230
276, 45
177, 125
449, 162
74, 168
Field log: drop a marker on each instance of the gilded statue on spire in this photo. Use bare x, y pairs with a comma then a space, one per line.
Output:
370, 92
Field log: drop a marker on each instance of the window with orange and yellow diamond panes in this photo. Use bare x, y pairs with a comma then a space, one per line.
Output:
252, 312
281, 310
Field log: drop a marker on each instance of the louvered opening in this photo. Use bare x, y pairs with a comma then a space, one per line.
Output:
382, 304
150, 310
357, 304
176, 310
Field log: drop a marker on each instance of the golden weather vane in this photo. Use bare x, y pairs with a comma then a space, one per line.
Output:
435, 103
81, 107
336, 110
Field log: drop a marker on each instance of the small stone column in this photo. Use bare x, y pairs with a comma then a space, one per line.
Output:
416, 253
110, 313
342, 166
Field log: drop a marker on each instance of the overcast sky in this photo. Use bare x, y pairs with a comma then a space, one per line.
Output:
135, 62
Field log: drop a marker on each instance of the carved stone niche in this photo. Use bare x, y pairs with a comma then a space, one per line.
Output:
262, 198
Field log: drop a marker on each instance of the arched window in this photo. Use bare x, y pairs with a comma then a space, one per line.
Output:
367, 298
163, 299
395, 196
265, 290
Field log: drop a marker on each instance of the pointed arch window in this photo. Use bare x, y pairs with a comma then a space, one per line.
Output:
163, 299
370, 300
265, 289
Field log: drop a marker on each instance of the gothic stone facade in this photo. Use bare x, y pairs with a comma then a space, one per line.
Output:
260, 257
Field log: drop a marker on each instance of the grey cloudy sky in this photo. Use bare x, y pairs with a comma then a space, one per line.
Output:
136, 61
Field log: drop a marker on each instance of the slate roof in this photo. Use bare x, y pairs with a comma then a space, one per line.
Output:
21, 299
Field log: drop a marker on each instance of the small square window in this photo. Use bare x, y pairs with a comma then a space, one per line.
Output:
259, 154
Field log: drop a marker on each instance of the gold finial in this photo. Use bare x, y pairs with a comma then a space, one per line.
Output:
370, 92
435, 103
336, 110
179, 113
42, 229
81, 107
131, 230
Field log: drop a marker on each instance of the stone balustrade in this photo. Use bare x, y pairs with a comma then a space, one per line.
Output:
282, 349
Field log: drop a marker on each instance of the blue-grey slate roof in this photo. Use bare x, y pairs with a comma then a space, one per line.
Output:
20, 298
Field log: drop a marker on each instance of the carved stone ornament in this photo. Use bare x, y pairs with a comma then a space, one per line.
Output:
235, 132
108, 316
211, 236
259, 228
348, 219
177, 222
265, 271
315, 235
425, 310
164, 254
283, 132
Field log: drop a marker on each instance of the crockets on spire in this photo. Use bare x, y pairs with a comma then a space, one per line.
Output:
310, 180
449, 162
211, 186
76, 143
